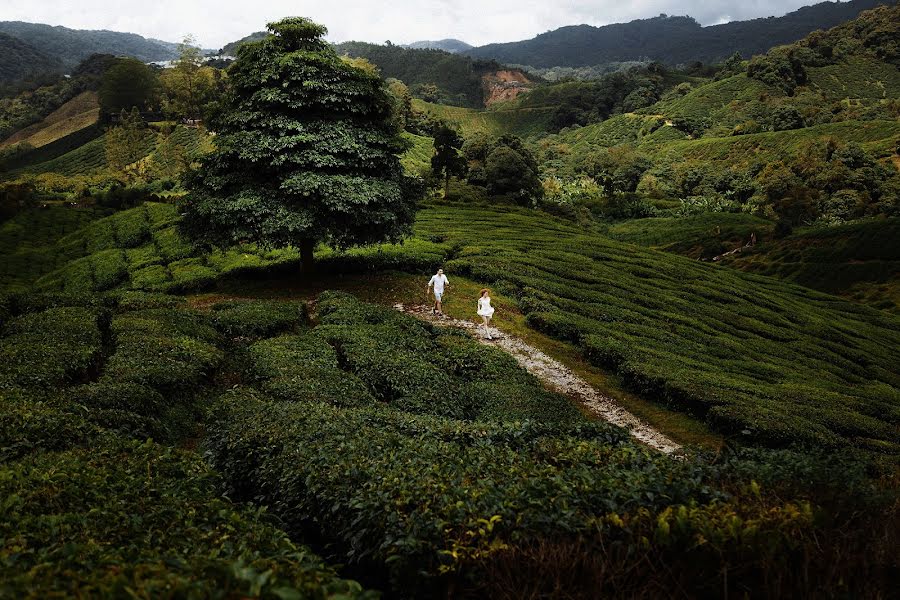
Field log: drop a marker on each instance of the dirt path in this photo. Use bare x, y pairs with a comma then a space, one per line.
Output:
557, 376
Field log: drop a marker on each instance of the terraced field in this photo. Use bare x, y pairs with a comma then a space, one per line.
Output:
852, 260
759, 359
472, 122
81, 111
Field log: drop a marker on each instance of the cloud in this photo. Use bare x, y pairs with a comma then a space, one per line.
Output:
215, 23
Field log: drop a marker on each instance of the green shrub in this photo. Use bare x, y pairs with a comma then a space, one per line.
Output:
283, 356
110, 268
330, 386
434, 501
30, 422
140, 520
50, 348
255, 318
167, 350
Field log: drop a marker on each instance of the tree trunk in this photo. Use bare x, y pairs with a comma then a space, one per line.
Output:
307, 261
447, 185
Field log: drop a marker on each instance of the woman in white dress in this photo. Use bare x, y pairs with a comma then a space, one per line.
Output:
486, 311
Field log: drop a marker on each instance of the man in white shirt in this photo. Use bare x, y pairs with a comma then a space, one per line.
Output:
439, 282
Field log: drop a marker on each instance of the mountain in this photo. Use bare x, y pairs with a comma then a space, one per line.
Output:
447, 45
71, 46
20, 60
231, 49
670, 39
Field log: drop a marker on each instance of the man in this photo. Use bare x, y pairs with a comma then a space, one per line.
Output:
438, 281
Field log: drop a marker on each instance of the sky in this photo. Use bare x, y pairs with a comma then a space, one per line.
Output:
215, 23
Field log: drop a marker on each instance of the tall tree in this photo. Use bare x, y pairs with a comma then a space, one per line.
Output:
127, 84
124, 142
447, 160
306, 152
188, 85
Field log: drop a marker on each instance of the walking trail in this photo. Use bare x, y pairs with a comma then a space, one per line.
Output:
556, 375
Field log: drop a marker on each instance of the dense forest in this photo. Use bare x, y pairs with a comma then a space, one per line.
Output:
457, 78
23, 61
670, 39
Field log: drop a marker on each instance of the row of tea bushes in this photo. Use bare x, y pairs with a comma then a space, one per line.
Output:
527, 508
92, 507
122, 519
763, 360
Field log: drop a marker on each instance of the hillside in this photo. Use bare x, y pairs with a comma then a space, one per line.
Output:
76, 114
447, 45
696, 337
459, 79
669, 39
231, 48
21, 60
856, 260
71, 46
471, 122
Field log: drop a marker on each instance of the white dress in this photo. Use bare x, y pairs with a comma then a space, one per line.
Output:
484, 307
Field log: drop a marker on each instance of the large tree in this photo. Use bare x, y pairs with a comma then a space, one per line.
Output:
446, 160
306, 152
127, 84
188, 86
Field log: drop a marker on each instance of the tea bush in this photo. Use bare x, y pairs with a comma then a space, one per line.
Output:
255, 319
763, 360
49, 348
439, 503
167, 350
123, 519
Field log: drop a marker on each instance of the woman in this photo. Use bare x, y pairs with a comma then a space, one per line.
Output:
486, 311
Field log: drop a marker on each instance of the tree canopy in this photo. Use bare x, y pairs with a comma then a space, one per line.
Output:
127, 84
306, 152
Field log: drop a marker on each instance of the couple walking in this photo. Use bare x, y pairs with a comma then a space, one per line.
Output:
439, 283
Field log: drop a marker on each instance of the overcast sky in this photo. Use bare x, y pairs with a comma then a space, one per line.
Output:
215, 23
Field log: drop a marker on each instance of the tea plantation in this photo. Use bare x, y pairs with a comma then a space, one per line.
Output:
765, 361
424, 462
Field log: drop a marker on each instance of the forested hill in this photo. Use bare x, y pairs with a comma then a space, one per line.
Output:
231, 48
458, 78
671, 39
448, 45
71, 46
19, 60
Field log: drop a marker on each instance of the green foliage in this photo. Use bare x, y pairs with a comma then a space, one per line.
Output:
128, 84
255, 319
441, 500
168, 351
447, 160
143, 520
339, 181
505, 167
433, 75
49, 348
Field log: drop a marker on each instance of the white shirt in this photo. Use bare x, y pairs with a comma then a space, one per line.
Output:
484, 307
438, 281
